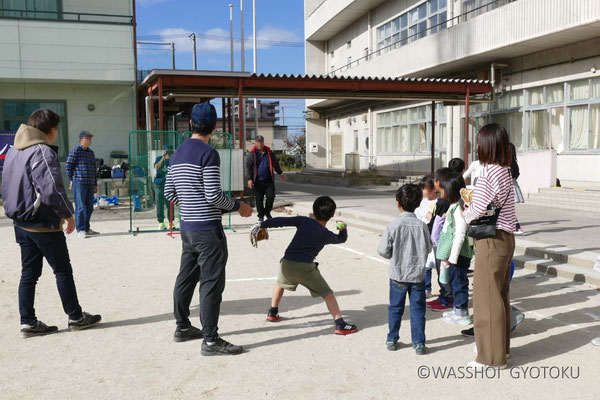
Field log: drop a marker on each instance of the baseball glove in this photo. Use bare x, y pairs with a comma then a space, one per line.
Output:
257, 234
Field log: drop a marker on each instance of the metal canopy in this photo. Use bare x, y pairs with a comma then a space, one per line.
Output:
182, 87
228, 84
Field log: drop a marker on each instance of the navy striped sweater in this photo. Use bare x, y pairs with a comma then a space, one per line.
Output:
194, 184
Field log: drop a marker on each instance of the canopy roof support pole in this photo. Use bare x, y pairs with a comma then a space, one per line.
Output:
241, 112
467, 125
432, 137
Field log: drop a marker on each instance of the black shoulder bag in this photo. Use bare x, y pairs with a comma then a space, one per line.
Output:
485, 226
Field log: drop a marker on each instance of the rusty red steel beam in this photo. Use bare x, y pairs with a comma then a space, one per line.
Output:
324, 84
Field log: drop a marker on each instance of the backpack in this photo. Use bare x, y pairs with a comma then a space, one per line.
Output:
118, 172
104, 172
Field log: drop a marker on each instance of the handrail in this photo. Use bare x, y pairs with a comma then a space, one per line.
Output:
376, 52
65, 16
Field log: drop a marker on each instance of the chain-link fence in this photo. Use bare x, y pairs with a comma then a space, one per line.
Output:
149, 155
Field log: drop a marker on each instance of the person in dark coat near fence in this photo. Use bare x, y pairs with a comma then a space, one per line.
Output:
261, 165
35, 199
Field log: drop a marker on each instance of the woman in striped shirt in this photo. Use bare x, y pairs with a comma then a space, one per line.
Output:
491, 308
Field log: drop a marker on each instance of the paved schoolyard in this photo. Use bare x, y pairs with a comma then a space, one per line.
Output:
129, 280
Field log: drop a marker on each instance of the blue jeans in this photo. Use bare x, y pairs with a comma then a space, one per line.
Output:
428, 280
35, 246
460, 284
416, 296
84, 205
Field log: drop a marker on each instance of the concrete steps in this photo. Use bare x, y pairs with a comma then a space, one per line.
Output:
553, 261
566, 198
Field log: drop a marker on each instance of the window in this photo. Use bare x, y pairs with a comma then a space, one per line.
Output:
427, 18
403, 131
578, 126
536, 96
16, 112
46, 9
580, 90
473, 8
555, 93
538, 128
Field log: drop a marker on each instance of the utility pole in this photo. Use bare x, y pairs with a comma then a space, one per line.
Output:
256, 111
192, 37
173, 54
231, 101
242, 28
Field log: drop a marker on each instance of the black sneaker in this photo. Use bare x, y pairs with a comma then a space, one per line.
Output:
87, 321
37, 329
468, 332
220, 348
191, 333
273, 315
420, 349
392, 346
345, 330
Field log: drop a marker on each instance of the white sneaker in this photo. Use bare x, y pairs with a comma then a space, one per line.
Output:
452, 318
476, 365
91, 232
596, 341
81, 234
475, 351
162, 226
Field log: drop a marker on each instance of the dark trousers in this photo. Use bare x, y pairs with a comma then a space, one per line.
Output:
262, 188
416, 296
34, 248
84, 205
460, 284
161, 203
203, 259
445, 296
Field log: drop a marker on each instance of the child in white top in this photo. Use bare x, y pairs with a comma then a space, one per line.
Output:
425, 212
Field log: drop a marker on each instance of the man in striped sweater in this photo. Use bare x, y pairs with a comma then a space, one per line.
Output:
194, 184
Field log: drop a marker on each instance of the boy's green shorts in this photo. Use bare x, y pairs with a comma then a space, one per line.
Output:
294, 273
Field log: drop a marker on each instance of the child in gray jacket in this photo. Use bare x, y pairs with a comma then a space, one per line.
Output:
406, 244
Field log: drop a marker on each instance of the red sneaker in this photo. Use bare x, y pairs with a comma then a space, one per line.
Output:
433, 302
273, 318
441, 307
346, 330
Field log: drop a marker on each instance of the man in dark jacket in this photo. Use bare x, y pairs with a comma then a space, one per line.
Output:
261, 165
35, 199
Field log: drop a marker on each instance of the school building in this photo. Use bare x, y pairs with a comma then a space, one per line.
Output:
76, 57
542, 55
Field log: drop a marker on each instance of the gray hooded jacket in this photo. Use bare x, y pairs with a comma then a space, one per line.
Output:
32, 186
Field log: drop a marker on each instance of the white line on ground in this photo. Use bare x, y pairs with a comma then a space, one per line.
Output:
360, 253
270, 278
349, 249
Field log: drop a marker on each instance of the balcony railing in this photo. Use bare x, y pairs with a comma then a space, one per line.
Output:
62, 16
493, 4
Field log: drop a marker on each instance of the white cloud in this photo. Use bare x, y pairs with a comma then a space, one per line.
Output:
179, 37
216, 40
272, 34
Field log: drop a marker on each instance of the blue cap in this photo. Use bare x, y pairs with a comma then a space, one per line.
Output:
204, 113
83, 134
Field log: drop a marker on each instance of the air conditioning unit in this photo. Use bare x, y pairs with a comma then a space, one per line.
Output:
311, 114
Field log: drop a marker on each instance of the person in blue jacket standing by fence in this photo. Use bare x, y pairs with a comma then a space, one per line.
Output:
81, 170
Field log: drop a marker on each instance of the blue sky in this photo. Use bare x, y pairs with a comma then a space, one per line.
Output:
280, 27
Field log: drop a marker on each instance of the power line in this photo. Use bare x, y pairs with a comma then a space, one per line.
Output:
280, 43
